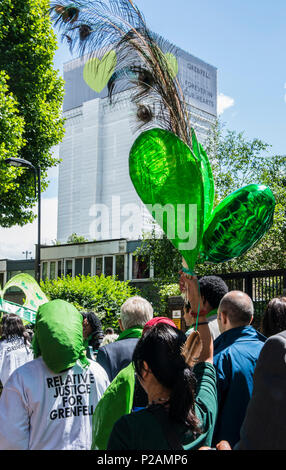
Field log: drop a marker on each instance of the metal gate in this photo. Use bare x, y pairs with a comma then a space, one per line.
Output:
261, 286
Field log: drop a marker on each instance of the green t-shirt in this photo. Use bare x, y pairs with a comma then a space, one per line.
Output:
141, 430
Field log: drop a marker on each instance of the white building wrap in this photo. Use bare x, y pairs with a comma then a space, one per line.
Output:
96, 197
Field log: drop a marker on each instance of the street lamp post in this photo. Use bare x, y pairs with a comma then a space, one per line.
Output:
27, 253
38, 255
21, 163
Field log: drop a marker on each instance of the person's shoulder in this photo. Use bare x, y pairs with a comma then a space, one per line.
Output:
107, 347
212, 319
272, 358
135, 419
33, 366
254, 334
121, 344
222, 344
238, 341
97, 370
278, 338
105, 352
276, 344
282, 335
249, 343
95, 366
130, 429
4, 344
27, 372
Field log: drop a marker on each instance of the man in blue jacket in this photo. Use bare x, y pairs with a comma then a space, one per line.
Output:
236, 352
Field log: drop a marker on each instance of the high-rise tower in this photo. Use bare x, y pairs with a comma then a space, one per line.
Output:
96, 197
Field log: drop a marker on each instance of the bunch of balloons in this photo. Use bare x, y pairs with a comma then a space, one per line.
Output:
176, 184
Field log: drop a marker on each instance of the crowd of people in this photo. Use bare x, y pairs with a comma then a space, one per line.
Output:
69, 385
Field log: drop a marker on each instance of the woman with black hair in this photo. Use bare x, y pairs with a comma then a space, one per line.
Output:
274, 318
182, 401
14, 346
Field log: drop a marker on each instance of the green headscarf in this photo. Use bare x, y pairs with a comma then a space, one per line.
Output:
58, 336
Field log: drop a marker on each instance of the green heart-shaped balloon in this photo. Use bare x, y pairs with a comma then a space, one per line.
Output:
238, 223
96, 73
168, 178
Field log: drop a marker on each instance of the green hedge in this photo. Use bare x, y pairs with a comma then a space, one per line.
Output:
103, 295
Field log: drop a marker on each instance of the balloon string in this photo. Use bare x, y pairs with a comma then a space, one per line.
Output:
188, 271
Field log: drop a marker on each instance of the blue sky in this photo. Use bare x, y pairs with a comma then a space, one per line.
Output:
245, 40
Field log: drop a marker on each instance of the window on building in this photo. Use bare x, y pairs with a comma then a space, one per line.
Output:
108, 265
68, 270
45, 270
119, 266
140, 269
60, 268
78, 266
53, 270
98, 266
82, 266
1, 280
87, 266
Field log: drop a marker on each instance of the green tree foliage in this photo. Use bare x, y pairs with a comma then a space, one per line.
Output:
103, 295
157, 293
27, 46
74, 238
166, 291
236, 162
11, 132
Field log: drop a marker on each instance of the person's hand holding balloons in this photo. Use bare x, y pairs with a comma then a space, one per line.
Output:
189, 286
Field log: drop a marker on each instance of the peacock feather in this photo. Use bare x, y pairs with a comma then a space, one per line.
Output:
143, 58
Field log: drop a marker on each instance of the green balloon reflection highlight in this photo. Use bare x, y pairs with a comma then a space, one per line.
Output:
238, 223
207, 176
168, 179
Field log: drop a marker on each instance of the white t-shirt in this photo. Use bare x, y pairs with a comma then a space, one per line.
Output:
213, 326
40, 410
13, 354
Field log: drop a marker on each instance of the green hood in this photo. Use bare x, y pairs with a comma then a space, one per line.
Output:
58, 335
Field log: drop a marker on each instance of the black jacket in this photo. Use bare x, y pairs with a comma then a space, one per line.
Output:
115, 356
264, 427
